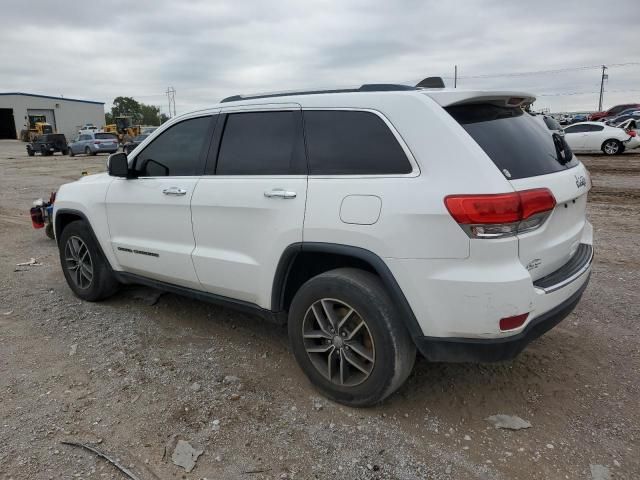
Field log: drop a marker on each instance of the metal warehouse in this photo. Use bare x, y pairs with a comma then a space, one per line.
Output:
20, 111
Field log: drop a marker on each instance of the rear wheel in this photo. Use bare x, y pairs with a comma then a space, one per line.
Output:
65, 151
30, 152
87, 151
348, 337
71, 154
612, 147
85, 269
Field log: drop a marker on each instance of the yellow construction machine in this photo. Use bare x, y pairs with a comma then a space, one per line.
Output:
37, 126
123, 126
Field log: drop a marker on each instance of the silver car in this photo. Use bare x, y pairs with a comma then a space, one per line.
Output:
94, 143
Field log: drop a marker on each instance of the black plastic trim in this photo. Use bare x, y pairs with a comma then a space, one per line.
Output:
581, 258
381, 268
239, 305
452, 349
83, 217
367, 87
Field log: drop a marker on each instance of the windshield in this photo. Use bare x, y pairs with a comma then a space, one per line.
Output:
514, 141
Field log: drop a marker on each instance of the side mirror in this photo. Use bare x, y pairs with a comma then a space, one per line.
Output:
117, 165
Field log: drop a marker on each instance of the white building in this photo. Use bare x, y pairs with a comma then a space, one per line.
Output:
66, 115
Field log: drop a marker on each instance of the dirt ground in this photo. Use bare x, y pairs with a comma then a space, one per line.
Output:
126, 374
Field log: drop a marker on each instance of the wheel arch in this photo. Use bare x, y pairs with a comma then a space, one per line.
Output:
65, 216
302, 261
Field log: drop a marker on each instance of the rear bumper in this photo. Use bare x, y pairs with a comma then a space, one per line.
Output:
438, 349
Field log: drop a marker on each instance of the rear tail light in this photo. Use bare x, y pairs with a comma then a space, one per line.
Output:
37, 218
510, 323
631, 133
503, 214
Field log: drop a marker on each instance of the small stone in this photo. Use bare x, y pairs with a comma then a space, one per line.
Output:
509, 422
195, 387
73, 349
550, 446
448, 469
234, 397
616, 463
317, 406
218, 458
185, 456
467, 438
229, 379
215, 425
599, 472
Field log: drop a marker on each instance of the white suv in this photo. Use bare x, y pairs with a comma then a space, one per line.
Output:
373, 220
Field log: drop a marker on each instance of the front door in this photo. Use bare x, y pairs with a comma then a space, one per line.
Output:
149, 216
250, 205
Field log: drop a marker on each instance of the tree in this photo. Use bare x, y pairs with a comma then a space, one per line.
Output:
126, 106
150, 114
163, 118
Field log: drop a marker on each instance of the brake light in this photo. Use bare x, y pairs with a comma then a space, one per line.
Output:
96, 142
631, 133
502, 214
509, 323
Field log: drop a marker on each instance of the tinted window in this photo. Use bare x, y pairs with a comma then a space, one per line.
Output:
593, 128
177, 151
105, 136
352, 143
262, 143
513, 140
576, 129
552, 124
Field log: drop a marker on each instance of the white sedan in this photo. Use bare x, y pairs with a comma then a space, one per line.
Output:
596, 136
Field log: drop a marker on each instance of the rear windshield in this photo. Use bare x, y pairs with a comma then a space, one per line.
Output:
514, 141
105, 136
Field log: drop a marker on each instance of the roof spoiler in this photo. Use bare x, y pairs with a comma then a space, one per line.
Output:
431, 82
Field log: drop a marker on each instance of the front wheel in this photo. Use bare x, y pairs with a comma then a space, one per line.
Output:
85, 269
612, 147
348, 337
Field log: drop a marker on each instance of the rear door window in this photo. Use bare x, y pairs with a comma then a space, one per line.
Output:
342, 142
262, 143
512, 140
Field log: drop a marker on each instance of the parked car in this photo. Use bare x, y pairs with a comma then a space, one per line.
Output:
373, 221
616, 121
48, 144
88, 128
613, 111
147, 130
130, 146
580, 117
94, 143
596, 136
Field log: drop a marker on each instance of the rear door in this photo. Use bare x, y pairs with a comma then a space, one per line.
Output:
593, 137
249, 207
530, 159
575, 136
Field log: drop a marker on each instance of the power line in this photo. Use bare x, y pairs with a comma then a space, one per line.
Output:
556, 70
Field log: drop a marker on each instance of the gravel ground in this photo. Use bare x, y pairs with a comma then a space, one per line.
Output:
130, 373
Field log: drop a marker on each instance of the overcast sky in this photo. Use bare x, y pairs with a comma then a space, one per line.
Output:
211, 49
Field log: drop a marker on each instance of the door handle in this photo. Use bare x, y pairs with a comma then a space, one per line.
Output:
279, 193
175, 191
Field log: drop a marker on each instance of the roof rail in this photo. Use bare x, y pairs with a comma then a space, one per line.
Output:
368, 87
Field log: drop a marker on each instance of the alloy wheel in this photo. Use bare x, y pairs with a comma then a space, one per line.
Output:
338, 342
78, 262
611, 148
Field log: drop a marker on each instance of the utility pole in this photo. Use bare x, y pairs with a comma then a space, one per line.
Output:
171, 97
604, 77
455, 76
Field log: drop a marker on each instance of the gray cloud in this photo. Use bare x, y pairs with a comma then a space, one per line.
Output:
208, 50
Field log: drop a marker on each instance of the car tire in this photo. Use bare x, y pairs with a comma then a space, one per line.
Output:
71, 154
368, 354
612, 147
30, 152
65, 151
48, 230
87, 272
43, 152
